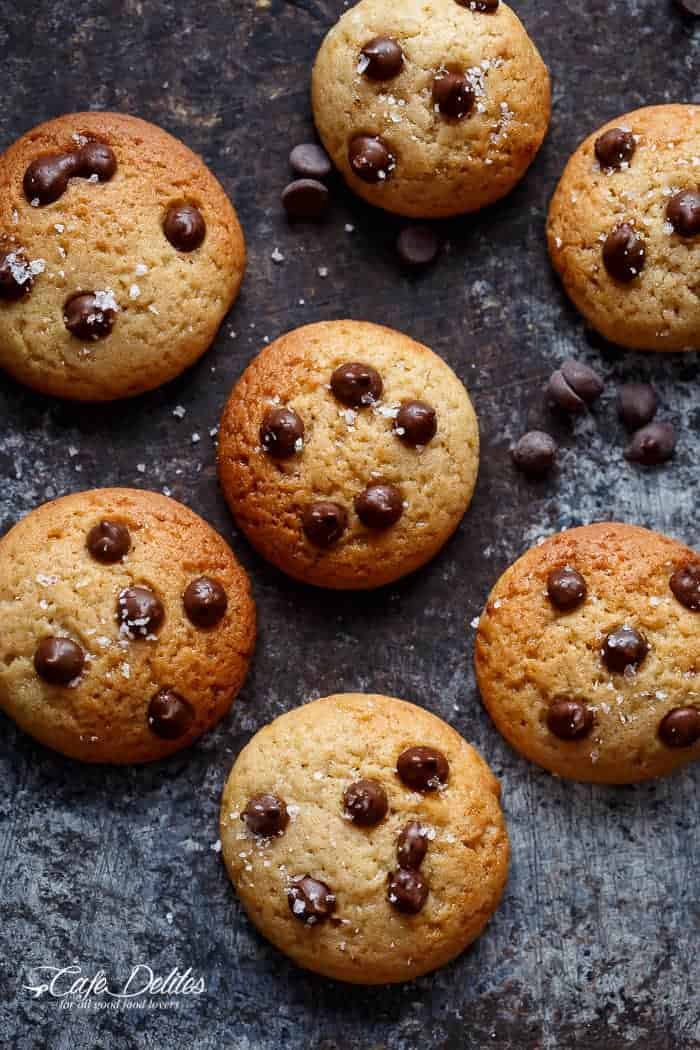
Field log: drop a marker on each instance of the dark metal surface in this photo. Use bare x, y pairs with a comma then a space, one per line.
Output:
595, 944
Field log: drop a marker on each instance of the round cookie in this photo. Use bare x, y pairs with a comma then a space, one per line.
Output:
364, 838
348, 453
128, 625
120, 254
430, 108
588, 654
624, 228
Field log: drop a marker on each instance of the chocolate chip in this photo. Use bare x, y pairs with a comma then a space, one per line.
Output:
169, 714
205, 602
266, 815
88, 315
381, 58
108, 541
282, 433
96, 158
652, 444
423, 768
582, 380
16, 277
310, 900
569, 719
184, 227
139, 611
566, 588
370, 158
624, 647
680, 727
412, 845
416, 423
683, 212
357, 385
407, 891
46, 178
624, 253
58, 660
453, 94
535, 453
365, 802
483, 6
637, 404
561, 394
685, 584
310, 161
379, 506
689, 7
417, 246
305, 199
324, 522
614, 148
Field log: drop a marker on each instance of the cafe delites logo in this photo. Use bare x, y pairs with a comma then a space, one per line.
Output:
142, 988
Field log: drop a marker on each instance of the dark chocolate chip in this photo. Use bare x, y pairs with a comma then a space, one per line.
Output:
370, 158
561, 394
653, 444
305, 199
569, 719
266, 815
582, 380
16, 277
88, 315
683, 212
453, 94
205, 602
483, 6
624, 253
357, 385
566, 588
412, 845
96, 158
689, 7
282, 433
417, 246
58, 660
310, 161
108, 541
169, 714
685, 584
680, 727
615, 148
139, 611
624, 647
46, 178
365, 802
310, 900
637, 404
379, 506
381, 58
407, 890
423, 768
184, 227
416, 423
535, 453
324, 522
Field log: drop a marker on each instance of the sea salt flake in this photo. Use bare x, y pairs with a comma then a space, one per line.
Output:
277, 256
179, 411
134, 291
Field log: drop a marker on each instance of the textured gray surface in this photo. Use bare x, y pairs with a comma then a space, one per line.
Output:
595, 944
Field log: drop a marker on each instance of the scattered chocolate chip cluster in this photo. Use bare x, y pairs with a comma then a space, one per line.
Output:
307, 197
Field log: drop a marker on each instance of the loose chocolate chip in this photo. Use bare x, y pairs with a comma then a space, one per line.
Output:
624, 253
379, 506
88, 315
407, 891
614, 148
683, 212
689, 7
58, 660
16, 277
139, 611
652, 444
205, 602
416, 423
169, 714
310, 900
96, 158
685, 584
535, 453
365, 802
680, 727
586, 383
305, 199
453, 94
266, 815
184, 227
412, 845
624, 647
566, 588
46, 178
282, 433
310, 161
423, 768
357, 385
561, 394
370, 158
637, 404
569, 719
324, 522
381, 58
108, 541
417, 246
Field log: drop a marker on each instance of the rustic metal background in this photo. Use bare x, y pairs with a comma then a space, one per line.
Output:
595, 945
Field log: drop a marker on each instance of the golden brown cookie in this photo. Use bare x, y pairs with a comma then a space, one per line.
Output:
120, 254
430, 107
128, 625
348, 453
588, 654
624, 228
364, 837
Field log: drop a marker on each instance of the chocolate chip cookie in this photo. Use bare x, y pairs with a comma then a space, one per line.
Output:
430, 109
365, 838
120, 254
128, 625
624, 228
588, 654
348, 453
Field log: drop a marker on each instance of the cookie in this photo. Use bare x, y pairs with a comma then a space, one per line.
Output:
430, 108
588, 654
348, 453
624, 229
364, 838
120, 254
128, 625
